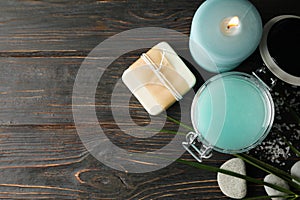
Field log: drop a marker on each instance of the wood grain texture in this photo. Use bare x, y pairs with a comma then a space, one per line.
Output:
42, 45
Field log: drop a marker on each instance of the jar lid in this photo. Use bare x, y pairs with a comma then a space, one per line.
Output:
279, 47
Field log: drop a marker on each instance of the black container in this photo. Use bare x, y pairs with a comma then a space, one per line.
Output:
280, 48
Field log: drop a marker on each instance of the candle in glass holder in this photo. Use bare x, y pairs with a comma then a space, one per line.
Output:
224, 33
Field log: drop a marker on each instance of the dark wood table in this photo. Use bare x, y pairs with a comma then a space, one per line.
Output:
42, 46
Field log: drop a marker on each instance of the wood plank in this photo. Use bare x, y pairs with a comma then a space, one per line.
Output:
42, 45
52, 25
50, 162
40, 146
36, 90
39, 162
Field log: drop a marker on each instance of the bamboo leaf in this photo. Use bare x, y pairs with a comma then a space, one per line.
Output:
255, 162
247, 178
168, 131
270, 169
269, 197
295, 197
180, 123
171, 132
289, 144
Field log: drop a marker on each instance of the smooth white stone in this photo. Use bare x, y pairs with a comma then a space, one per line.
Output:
271, 178
295, 171
231, 186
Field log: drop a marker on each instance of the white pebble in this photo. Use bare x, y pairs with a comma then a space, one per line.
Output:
295, 170
231, 186
271, 178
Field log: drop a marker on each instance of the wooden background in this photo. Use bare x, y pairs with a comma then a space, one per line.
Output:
42, 45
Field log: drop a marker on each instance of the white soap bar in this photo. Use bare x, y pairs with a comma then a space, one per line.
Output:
158, 78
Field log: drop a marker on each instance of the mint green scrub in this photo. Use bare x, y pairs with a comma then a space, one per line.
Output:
231, 113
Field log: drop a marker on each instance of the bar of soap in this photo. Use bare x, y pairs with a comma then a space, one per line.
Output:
158, 78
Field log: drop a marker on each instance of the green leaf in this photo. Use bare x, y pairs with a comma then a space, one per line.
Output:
172, 132
289, 144
231, 173
168, 131
180, 123
269, 197
270, 169
257, 163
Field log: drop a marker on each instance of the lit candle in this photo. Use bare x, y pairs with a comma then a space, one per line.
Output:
224, 33
230, 26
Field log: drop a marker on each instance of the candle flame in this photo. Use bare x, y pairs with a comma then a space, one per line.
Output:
233, 22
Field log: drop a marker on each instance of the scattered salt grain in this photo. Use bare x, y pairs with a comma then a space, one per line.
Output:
274, 150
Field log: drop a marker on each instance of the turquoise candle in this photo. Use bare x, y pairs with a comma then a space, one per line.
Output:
224, 33
232, 112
